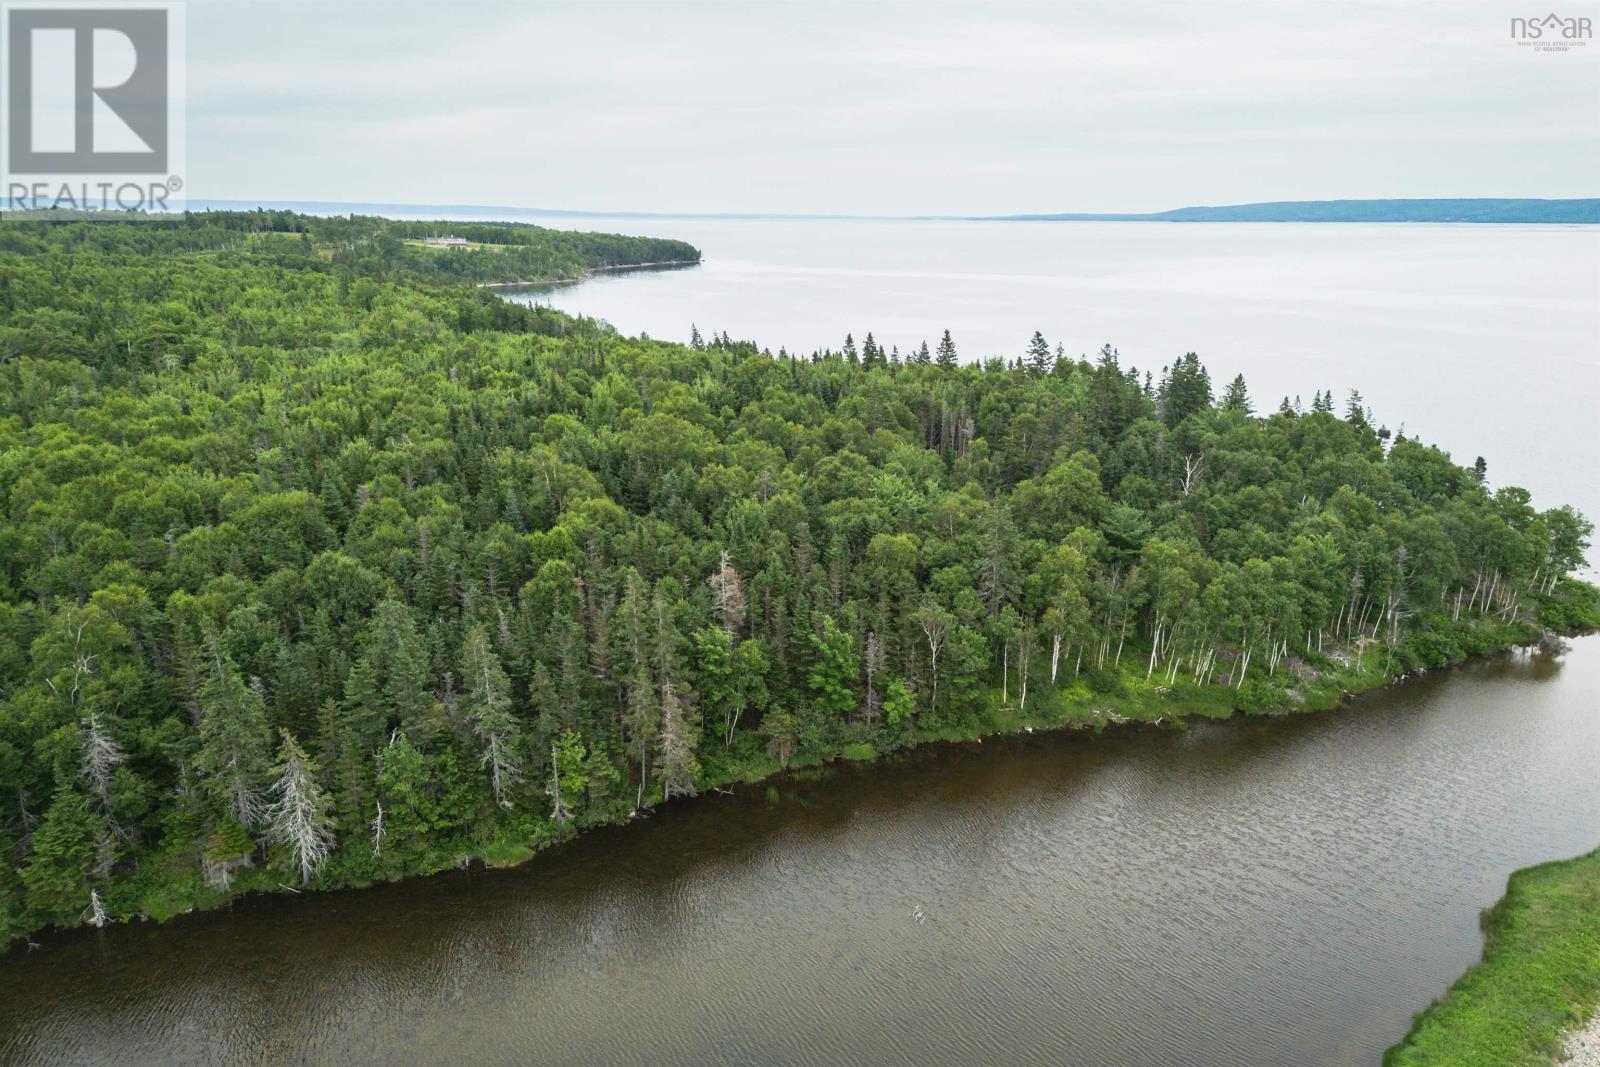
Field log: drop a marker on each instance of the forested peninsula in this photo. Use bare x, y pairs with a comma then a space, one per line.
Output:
322, 565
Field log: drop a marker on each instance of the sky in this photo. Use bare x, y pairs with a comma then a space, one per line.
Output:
864, 108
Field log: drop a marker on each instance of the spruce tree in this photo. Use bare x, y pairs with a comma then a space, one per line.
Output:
1040, 361
677, 769
1236, 397
1185, 390
641, 721
486, 706
1355, 411
871, 354
235, 742
61, 857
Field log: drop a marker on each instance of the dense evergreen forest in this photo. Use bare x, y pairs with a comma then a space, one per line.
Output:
316, 568
364, 245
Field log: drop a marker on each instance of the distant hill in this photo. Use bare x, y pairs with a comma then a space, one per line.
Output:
1475, 210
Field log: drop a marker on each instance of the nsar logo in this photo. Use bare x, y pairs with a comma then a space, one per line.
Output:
1552, 33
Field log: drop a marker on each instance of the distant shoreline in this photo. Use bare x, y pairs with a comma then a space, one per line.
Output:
1478, 210
658, 264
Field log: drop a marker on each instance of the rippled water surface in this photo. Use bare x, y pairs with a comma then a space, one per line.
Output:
1264, 891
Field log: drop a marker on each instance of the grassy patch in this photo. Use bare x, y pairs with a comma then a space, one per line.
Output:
1539, 977
472, 246
502, 853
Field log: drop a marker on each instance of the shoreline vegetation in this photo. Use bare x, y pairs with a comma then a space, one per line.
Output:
1092, 715
321, 566
1527, 1001
619, 268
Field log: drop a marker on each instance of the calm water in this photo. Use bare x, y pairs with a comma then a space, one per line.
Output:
1484, 340
1283, 891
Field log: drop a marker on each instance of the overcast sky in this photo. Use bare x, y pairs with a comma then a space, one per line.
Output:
867, 108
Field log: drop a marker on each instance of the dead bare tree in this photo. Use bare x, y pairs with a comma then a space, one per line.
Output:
935, 625
727, 595
299, 818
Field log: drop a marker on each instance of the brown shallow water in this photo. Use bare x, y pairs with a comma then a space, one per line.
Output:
1278, 891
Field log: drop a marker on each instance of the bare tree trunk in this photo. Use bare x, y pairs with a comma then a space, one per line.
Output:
1155, 647
1005, 670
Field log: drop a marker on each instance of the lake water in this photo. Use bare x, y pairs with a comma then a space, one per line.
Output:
1484, 340
1259, 891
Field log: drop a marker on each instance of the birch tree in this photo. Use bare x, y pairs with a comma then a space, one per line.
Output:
934, 621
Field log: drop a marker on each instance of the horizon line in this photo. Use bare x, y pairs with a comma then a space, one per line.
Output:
240, 203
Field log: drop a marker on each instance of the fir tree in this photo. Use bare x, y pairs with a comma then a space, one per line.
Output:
1355, 412
1039, 361
871, 354
61, 857
1185, 390
235, 742
1236, 397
